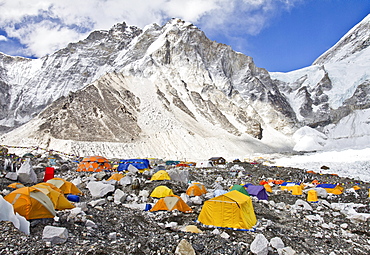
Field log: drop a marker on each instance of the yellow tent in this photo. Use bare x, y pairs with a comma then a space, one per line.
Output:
160, 176
116, 176
312, 196
51, 186
66, 186
230, 210
268, 188
59, 201
161, 191
290, 186
297, 190
31, 203
337, 190
171, 203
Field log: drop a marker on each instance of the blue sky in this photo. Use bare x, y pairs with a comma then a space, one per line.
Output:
280, 35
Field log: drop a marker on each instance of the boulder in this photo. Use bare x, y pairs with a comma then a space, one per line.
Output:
99, 189
55, 235
259, 245
184, 248
26, 173
277, 243
286, 251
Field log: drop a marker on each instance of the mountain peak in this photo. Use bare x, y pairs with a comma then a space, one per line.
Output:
353, 42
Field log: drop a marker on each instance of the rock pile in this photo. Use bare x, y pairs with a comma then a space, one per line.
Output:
110, 217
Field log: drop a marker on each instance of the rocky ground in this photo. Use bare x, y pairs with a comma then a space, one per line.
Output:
326, 227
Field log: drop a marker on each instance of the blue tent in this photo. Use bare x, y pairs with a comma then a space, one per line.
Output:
140, 164
290, 183
326, 186
257, 191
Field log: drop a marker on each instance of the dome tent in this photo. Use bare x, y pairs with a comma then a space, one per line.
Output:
65, 186
170, 203
116, 176
141, 164
31, 203
161, 191
240, 188
59, 201
94, 164
16, 185
160, 176
196, 189
230, 210
258, 191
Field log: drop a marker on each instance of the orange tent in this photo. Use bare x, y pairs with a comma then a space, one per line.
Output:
31, 203
16, 185
356, 187
196, 189
94, 164
116, 176
65, 186
59, 201
171, 203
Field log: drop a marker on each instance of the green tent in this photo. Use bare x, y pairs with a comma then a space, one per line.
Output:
240, 188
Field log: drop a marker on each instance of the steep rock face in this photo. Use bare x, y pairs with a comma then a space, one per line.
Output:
97, 113
33, 84
183, 55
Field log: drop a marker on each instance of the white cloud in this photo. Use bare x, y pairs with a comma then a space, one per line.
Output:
45, 26
3, 38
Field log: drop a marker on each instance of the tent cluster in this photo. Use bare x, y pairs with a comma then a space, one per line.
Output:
313, 189
41, 200
233, 209
99, 163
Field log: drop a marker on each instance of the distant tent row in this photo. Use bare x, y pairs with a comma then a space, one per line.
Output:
99, 163
331, 188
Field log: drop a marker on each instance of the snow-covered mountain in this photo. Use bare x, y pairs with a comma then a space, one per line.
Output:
332, 95
170, 92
